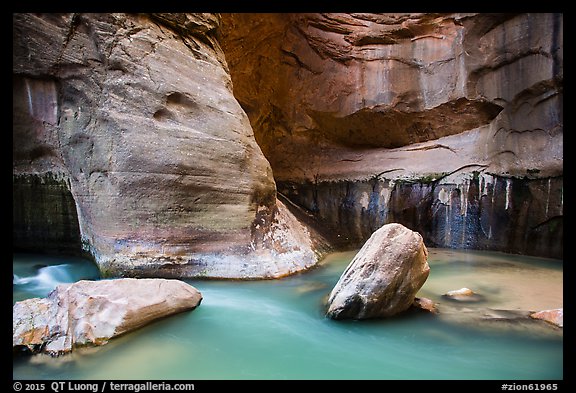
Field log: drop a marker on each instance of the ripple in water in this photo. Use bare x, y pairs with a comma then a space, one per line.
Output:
38, 275
46, 279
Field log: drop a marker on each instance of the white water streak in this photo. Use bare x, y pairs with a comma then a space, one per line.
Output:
548, 198
508, 193
29, 93
464, 198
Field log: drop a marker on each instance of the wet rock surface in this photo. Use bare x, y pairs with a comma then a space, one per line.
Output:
478, 211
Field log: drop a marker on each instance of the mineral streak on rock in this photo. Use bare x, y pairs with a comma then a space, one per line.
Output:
374, 107
130, 140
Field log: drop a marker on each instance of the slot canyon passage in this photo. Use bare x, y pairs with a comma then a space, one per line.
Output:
252, 155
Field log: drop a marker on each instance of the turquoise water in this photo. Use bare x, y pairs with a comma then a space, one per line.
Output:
277, 330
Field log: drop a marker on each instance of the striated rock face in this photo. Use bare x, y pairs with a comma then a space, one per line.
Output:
384, 80
127, 136
451, 124
92, 312
478, 211
383, 278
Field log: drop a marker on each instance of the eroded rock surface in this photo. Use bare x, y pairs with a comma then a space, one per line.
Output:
390, 80
92, 312
155, 161
127, 134
425, 108
383, 278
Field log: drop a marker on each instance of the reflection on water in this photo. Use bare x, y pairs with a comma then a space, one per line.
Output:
276, 329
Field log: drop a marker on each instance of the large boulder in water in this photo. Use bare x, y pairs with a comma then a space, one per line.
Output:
91, 312
383, 278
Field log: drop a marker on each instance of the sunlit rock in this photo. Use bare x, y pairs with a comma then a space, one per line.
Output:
462, 292
555, 316
384, 276
463, 295
92, 312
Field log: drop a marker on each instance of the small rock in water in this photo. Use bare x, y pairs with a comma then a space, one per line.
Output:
555, 316
425, 304
460, 292
464, 295
310, 287
509, 316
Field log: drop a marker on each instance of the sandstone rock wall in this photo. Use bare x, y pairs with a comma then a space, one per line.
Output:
481, 212
136, 114
128, 140
429, 101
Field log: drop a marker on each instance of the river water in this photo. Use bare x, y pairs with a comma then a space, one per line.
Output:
276, 329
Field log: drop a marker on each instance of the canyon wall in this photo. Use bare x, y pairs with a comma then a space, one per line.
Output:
182, 145
451, 124
129, 144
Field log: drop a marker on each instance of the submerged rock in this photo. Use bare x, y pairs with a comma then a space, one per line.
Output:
460, 292
92, 312
555, 316
384, 276
463, 295
487, 319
